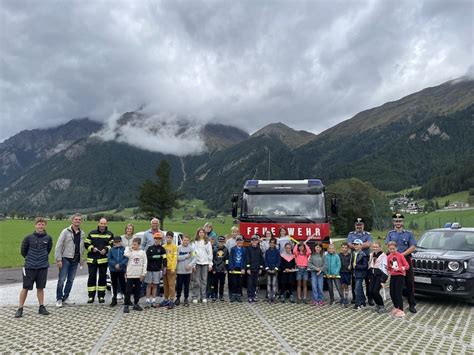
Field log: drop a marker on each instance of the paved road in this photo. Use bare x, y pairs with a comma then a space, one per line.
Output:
439, 327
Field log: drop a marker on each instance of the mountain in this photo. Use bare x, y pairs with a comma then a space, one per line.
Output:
93, 173
407, 142
32, 147
285, 134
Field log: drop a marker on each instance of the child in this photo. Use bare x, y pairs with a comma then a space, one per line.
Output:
302, 253
397, 267
286, 275
136, 270
156, 264
284, 238
236, 270
169, 277
219, 269
117, 267
377, 275
317, 266
254, 265
345, 273
210, 233
265, 241
35, 248
333, 267
232, 241
272, 263
203, 250
359, 264
184, 270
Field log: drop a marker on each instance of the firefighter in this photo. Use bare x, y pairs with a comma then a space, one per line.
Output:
98, 243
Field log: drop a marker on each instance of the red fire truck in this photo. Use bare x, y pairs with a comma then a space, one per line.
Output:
297, 205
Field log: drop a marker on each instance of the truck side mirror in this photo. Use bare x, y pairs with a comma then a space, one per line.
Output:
334, 206
235, 200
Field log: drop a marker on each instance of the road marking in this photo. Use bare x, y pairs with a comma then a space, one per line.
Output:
272, 330
107, 332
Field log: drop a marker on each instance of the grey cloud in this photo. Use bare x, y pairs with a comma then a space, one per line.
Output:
309, 64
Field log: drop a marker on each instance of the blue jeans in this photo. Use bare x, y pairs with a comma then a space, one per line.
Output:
359, 292
67, 271
317, 282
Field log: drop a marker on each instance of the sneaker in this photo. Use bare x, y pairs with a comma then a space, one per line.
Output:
314, 303
68, 302
19, 312
177, 302
239, 299
232, 298
412, 309
371, 303
214, 300
147, 305
120, 296
125, 309
204, 300
170, 305
221, 299
113, 303
298, 301
154, 305
164, 303
186, 303
59, 303
195, 300
382, 310
321, 303
250, 300
137, 308
101, 300
292, 299
393, 311
43, 311
90, 300
399, 313
331, 302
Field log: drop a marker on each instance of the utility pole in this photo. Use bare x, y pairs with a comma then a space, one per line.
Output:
269, 163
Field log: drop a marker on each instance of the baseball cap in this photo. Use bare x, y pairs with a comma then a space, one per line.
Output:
221, 238
357, 241
117, 238
157, 235
239, 238
255, 237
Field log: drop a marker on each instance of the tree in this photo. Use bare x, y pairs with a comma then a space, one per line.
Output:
158, 199
357, 199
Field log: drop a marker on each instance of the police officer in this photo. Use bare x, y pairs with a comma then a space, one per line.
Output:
366, 238
98, 243
406, 244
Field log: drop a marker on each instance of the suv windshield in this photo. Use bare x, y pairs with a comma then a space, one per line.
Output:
448, 240
282, 206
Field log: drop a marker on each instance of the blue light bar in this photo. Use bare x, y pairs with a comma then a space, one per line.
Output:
314, 182
251, 183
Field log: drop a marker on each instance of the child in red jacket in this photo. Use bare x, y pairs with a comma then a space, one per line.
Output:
397, 267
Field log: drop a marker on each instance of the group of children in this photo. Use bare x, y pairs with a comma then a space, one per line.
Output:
288, 266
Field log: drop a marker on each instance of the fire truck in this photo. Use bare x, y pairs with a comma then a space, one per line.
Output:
297, 205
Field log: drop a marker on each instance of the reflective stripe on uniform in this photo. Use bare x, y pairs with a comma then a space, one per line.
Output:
90, 260
102, 261
101, 288
103, 236
91, 288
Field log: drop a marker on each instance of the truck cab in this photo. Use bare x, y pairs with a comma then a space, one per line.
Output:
296, 205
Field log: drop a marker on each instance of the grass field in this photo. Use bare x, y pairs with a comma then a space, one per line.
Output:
12, 233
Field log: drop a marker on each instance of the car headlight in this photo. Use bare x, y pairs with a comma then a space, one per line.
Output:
470, 265
453, 266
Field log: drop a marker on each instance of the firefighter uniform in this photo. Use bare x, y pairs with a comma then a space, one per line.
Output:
97, 261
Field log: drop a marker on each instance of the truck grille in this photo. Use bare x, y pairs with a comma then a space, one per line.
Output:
429, 265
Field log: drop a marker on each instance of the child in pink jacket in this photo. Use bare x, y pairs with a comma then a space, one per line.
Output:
301, 252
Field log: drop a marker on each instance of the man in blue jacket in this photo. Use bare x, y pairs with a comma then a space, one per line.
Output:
35, 248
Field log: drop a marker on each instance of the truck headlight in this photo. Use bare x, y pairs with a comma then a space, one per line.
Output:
453, 266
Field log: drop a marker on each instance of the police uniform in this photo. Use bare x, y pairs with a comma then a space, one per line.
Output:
404, 240
97, 261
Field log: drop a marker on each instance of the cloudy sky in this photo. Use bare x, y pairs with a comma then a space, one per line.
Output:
309, 64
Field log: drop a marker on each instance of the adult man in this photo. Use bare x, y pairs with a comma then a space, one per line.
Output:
148, 237
35, 248
98, 243
68, 254
366, 238
406, 244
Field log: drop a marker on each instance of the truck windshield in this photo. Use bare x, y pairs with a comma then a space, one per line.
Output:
448, 240
284, 206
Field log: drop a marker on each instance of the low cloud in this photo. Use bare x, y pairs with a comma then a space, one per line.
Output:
163, 133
